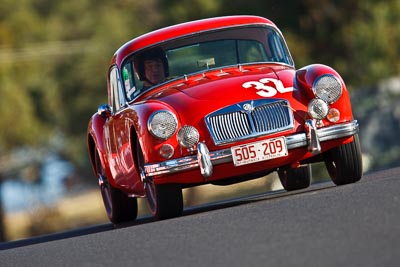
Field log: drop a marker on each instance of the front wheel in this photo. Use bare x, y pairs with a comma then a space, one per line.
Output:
295, 179
119, 207
344, 163
165, 200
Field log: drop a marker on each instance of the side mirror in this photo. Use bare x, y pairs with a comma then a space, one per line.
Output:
104, 111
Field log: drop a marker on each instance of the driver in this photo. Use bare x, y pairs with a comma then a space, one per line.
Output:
152, 67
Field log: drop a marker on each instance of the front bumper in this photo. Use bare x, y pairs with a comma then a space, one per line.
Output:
205, 160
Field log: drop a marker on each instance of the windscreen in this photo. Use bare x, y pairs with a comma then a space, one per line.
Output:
204, 51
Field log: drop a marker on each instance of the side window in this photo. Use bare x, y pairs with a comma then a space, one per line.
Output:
117, 95
131, 82
128, 80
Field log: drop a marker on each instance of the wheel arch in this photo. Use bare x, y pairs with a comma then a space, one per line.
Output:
95, 137
96, 145
134, 142
134, 139
91, 151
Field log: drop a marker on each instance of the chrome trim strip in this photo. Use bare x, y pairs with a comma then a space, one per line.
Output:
225, 156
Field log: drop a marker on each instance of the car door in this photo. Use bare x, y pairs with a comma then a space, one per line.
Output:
119, 148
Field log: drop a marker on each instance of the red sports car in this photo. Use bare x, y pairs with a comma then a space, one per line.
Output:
216, 101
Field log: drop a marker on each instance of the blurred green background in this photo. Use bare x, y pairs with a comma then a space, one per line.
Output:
54, 57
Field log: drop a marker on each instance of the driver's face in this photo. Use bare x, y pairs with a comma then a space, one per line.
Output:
154, 70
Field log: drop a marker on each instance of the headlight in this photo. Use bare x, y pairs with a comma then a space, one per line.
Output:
188, 136
162, 124
328, 88
318, 109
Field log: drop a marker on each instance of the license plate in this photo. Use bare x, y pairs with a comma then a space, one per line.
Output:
259, 151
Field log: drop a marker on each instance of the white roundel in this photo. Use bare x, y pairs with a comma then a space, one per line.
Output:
268, 87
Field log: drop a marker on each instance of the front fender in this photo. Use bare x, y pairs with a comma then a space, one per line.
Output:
305, 77
149, 144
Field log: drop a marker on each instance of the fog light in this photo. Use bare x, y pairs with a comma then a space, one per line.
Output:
318, 109
166, 151
333, 115
188, 136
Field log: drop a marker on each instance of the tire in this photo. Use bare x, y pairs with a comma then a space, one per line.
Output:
295, 179
165, 200
119, 207
344, 163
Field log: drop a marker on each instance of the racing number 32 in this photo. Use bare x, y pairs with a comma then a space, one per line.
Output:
268, 87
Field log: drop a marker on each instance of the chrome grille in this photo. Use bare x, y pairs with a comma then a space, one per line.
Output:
249, 119
271, 117
230, 125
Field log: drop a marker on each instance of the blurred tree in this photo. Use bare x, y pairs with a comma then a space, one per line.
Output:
178, 11
372, 42
61, 67
54, 57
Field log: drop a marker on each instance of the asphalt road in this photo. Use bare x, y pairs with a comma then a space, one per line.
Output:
325, 225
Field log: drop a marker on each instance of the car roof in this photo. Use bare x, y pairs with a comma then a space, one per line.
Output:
187, 28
